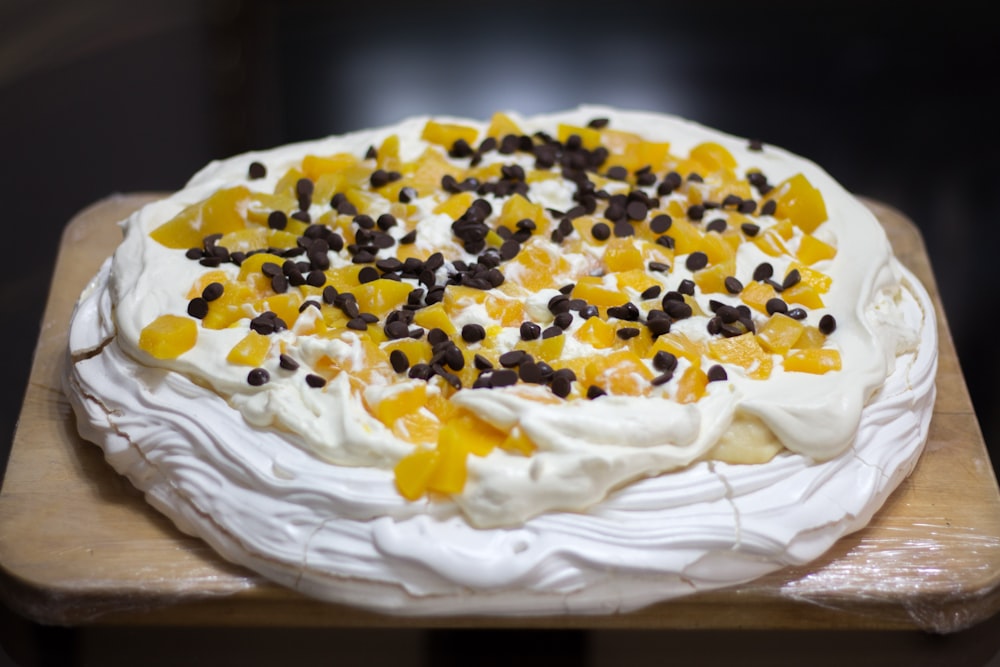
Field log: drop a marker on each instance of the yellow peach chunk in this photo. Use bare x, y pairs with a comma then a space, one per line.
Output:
817, 361
743, 351
803, 294
250, 351
446, 134
621, 254
168, 336
435, 317
800, 202
501, 125
779, 333
413, 472
401, 402
691, 385
597, 332
590, 137
222, 212
757, 294
381, 296
622, 372
812, 250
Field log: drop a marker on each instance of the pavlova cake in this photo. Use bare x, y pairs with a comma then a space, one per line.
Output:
572, 363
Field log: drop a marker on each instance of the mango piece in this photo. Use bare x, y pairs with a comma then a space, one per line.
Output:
517, 208
548, 350
592, 290
812, 250
314, 166
250, 351
818, 280
691, 385
285, 306
803, 294
743, 351
679, 345
501, 125
779, 333
413, 472
590, 137
508, 312
222, 212
636, 279
713, 157
713, 279
446, 134
771, 243
687, 237
420, 427
518, 442
387, 154
757, 294
817, 361
621, 254
810, 339
536, 266
435, 317
427, 171
717, 248
468, 432
800, 202
621, 372
416, 351
168, 336
597, 332
455, 205
381, 296
401, 402
231, 307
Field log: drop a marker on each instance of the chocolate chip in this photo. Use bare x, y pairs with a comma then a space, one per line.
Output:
399, 361
473, 333
212, 291
763, 271
797, 313
503, 377
733, 286
563, 320
718, 225
696, 261
256, 170
277, 220
686, 286
513, 358
287, 362
661, 223
717, 373
258, 377
600, 231
626, 333
769, 207
197, 308
561, 385
776, 305
791, 279
653, 291
827, 325
530, 331
664, 361
593, 391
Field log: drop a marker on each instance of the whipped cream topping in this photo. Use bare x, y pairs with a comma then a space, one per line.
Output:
238, 465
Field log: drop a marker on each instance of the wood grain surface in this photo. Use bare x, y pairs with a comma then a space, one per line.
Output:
79, 545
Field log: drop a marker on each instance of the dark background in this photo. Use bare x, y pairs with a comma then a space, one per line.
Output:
897, 100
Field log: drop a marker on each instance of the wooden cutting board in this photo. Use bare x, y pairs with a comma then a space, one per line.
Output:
78, 545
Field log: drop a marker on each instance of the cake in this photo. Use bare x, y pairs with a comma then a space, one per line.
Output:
579, 362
